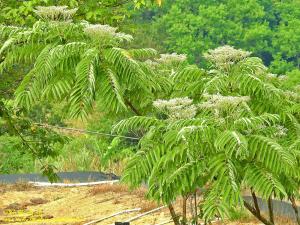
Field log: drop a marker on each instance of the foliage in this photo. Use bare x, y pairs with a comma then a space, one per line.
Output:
81, 153
30, 142
13, 158
10, 82
108, 11
237, 134
292, 80
21, 13
229, 127
267, 28
89, 56
117, 152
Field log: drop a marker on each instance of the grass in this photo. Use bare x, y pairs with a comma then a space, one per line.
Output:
104, 188
19, 186
147, 206
253, 221
241, 216
117, 188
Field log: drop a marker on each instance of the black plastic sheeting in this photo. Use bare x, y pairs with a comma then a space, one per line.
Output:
81, 177
281, 208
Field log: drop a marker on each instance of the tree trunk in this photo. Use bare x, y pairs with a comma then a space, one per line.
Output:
191, 202
184, 200
271, 213
295, 207
173, 214
195, 203
258, 216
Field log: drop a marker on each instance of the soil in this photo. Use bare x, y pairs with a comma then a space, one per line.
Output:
43, 206
27, 205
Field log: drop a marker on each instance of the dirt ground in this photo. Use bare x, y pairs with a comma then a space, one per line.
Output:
75, 205
24, 204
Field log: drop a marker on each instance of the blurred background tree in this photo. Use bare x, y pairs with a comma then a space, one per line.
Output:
105, 11
268, 28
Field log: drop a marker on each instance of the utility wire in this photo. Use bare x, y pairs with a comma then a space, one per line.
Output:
84, 131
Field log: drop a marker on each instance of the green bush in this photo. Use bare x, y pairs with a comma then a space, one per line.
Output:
12, 156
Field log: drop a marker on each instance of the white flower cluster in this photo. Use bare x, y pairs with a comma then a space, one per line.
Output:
151, 63
122, 36
225, 56
174, 102
55, 12
276, 76
271, 75
282, 77
291, 94
177, 108
172, 58
218, 101
281, 131
99, 29
277, 130
185, 130
100, 32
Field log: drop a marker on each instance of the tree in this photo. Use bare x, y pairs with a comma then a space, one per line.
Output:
32, 141
106, 11
291, 80
27, 49
225, 129
286, 42
266, 28
74, 62
21, 13
240, 132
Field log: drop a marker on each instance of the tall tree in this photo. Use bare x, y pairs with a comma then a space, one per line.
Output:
241, 131
74, 62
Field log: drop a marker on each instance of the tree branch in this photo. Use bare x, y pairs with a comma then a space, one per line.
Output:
258, 216
270, 206
295, 207
255, 202
131, 106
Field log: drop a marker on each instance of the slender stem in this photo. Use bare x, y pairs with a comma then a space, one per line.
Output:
258, 216
295, 207
131, 106
173, 214
271, 213
255, 202
24, 141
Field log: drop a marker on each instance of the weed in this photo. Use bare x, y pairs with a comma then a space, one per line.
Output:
105, 188
147, 206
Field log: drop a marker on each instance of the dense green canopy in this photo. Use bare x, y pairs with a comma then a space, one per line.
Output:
270, 29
